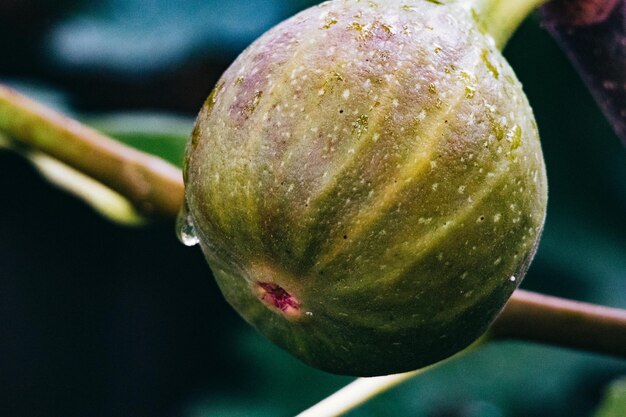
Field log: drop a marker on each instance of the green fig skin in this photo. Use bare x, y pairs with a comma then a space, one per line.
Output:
367, 184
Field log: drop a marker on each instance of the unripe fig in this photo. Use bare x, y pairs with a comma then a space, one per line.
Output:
367, 184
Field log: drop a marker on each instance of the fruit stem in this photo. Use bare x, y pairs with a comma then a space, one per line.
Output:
154, 186
501, 18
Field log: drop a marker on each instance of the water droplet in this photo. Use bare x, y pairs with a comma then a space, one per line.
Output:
185, 230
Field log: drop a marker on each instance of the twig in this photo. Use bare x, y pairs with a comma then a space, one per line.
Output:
541, 318
357, 393
154, 186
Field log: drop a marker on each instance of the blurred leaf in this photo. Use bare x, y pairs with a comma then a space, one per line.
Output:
141, 37
614, 402
162, 135
593, 35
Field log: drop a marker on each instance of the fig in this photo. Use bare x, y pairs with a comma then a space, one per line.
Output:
367, 184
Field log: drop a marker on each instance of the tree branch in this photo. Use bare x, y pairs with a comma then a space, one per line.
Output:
154, 186
541, 318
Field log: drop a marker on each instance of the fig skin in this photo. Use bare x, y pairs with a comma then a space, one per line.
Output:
367, 184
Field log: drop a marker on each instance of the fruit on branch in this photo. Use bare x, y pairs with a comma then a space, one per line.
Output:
367, 184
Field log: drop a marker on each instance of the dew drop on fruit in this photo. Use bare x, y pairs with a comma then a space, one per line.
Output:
185, 230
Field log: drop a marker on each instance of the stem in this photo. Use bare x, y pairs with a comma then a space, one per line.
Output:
501, 18
541, 318
154, 186
357, 393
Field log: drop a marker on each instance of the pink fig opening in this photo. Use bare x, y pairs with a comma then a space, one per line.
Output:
274, 296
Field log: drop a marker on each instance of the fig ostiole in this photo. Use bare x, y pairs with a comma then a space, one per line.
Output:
367, 184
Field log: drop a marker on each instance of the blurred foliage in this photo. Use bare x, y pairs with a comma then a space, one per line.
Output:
101, 320
614, 403
162, 32
164, 135
592, 32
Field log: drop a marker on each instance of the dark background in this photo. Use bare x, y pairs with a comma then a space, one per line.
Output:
98, 319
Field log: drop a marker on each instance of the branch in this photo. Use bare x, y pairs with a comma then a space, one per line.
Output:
154, 186
541, 318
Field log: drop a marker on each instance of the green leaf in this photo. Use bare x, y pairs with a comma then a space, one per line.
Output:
163, 135
614, 402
